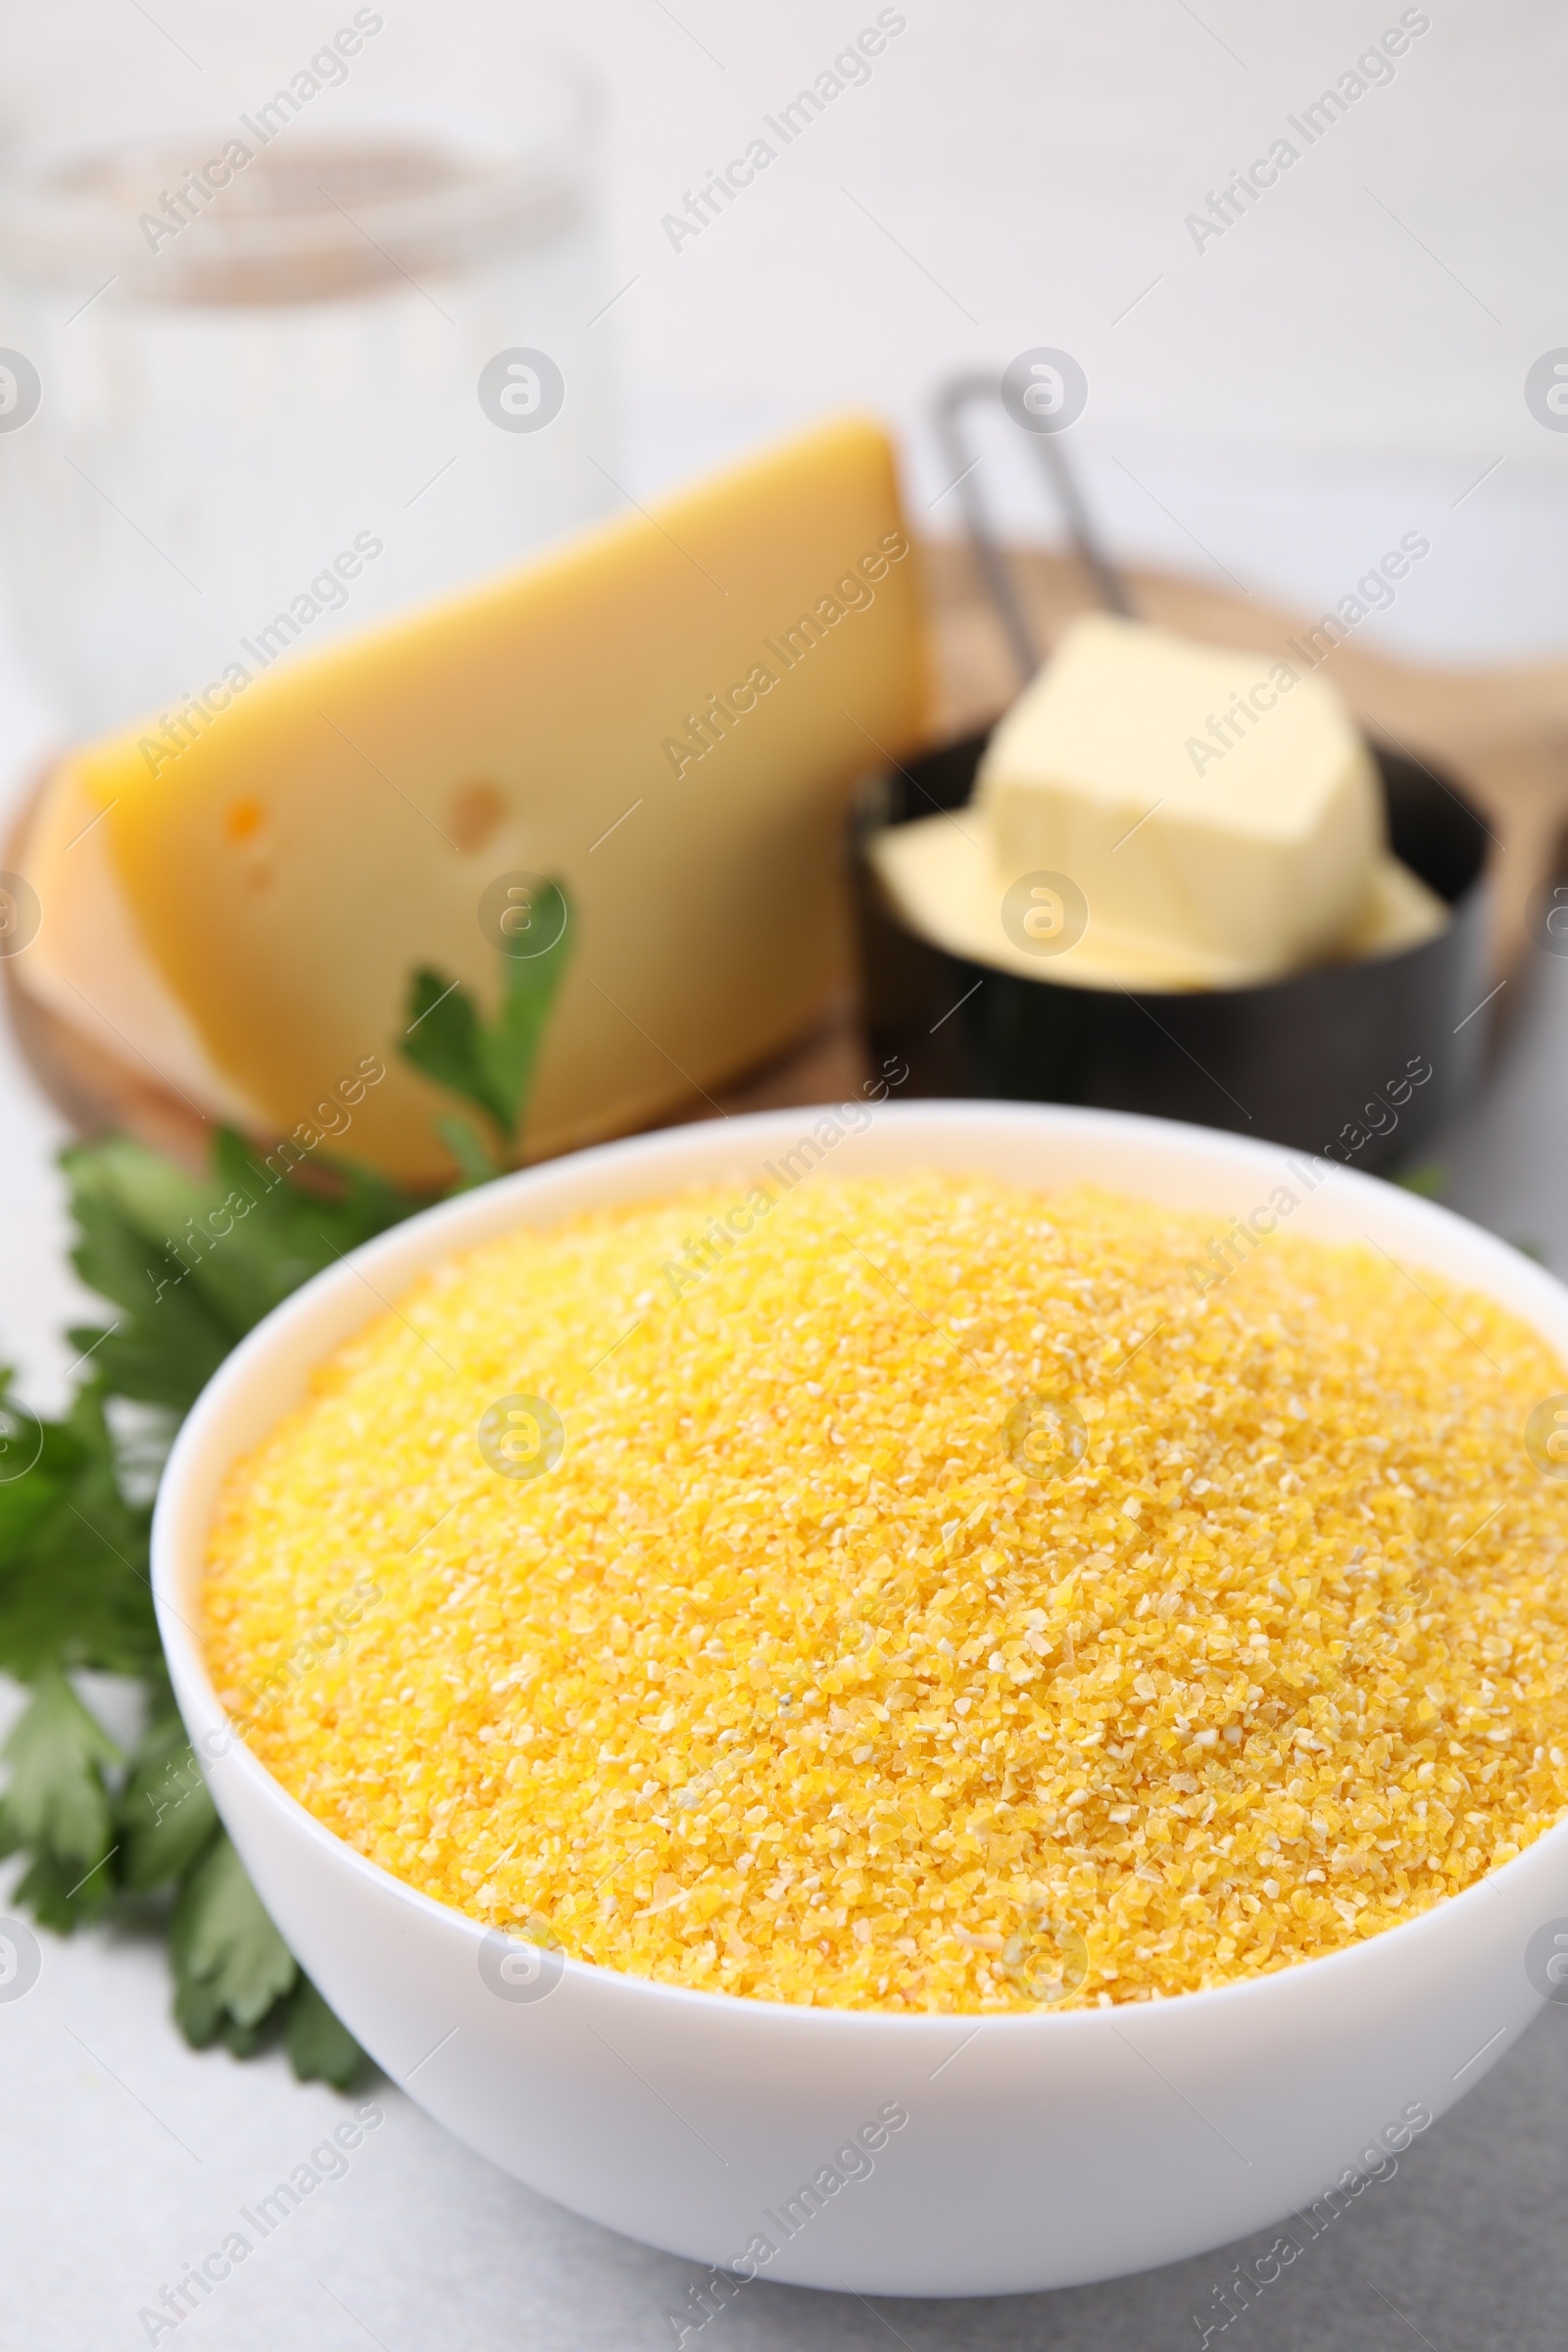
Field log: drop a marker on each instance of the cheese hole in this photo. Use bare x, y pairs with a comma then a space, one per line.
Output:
243, 820
474, 814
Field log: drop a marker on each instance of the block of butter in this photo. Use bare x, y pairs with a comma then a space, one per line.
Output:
669, 714
1209, 803
940, 877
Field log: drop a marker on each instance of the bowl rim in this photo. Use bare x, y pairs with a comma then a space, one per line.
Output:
439, 1229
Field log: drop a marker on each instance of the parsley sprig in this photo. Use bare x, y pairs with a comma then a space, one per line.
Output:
491, 1064
188, 1265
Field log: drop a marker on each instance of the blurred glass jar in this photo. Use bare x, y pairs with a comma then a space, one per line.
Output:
265, 373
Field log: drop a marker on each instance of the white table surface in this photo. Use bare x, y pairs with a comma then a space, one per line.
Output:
1291, 399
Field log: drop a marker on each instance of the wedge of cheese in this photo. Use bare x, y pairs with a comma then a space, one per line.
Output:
669, 714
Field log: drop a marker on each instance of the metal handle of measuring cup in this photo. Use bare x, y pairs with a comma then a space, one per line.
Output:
950, 412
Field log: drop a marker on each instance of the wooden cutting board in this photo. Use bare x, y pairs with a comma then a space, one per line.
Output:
1501, 732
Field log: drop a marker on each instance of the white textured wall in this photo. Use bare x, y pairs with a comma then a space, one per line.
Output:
1339, 368
1306, 387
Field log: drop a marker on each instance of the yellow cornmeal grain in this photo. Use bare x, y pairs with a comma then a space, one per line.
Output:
787, 1681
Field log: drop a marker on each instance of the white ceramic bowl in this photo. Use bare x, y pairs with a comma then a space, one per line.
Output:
1040, 2150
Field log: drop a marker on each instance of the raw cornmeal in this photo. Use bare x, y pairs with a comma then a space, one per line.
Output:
788, 1680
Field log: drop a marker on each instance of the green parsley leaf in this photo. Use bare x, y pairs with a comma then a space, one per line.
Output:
491, 1064
230, 1963
302, 1215
129, 1205
57, 1803
443, 1040
1430, 1179
56, 1894
164, 1817
475, 1157
509, 1046
194, 1264
320, 2047
74, 1582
